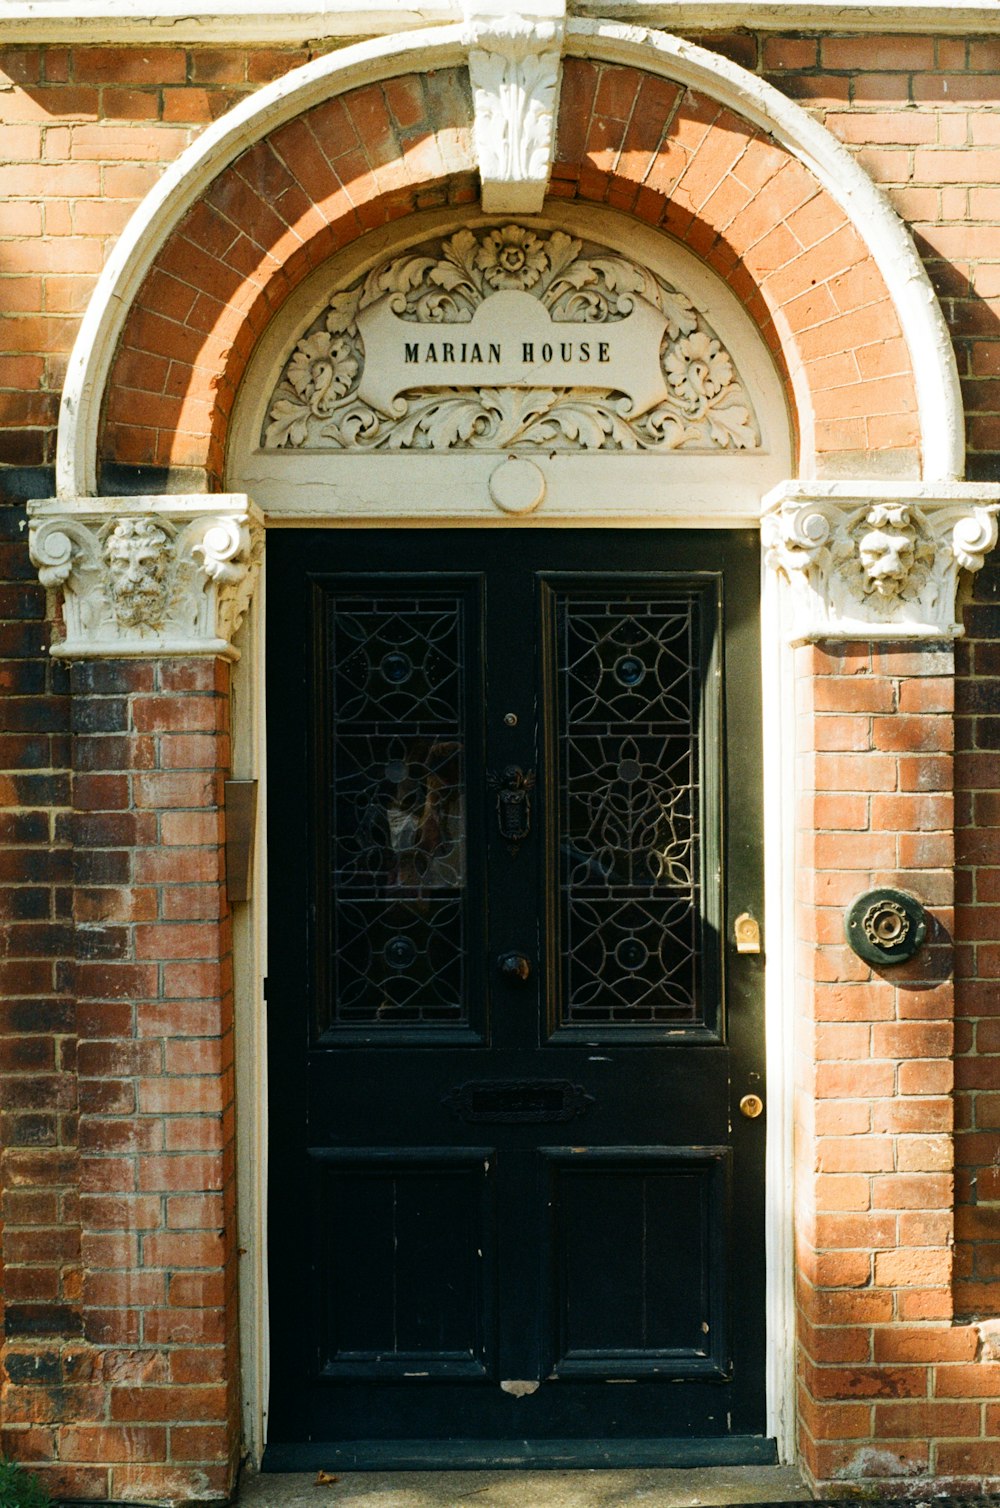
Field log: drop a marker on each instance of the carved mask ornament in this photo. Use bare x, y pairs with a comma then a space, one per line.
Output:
888, 550
137, 553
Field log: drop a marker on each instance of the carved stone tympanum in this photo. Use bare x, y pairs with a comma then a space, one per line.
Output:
148, 576
510, 338
878, 559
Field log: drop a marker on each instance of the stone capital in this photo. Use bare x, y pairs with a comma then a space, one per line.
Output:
148, 576
877, 560
514, 69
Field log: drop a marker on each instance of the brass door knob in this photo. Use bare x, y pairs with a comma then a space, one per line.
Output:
751, 1105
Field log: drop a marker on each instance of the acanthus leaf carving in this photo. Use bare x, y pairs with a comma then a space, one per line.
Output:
514, 63
147, 576
878, 559
680, 388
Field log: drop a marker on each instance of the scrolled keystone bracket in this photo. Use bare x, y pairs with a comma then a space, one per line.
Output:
514, 68
886, 926
147, 576
877, 560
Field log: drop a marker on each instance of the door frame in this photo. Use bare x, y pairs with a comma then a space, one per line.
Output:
250, 971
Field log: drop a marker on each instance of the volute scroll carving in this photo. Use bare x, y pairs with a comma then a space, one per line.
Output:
878, 559
147, 576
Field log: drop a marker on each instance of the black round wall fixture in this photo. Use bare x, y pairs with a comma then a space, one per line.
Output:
886, 926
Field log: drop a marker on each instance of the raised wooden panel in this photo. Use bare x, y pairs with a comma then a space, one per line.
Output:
403, 1261
636, 1261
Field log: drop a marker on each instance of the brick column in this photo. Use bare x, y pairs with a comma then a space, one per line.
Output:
40, 1275
977, 931
889, 1386
155, 1021
122, 1373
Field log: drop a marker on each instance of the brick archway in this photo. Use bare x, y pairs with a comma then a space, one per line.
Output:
635, 141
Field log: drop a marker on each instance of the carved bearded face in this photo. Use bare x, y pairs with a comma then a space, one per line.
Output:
137, 552
887, 558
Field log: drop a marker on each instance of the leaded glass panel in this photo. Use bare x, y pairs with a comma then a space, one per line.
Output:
628, 676
396, 753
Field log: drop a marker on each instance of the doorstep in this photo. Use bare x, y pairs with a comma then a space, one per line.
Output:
694, 1487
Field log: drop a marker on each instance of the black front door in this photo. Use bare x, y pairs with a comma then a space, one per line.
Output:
515, 1212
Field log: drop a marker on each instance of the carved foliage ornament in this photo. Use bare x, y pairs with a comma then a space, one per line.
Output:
883, 565
514, 71
147, 576
671, 384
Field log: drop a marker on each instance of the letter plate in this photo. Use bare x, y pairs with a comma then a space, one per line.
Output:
517, 1101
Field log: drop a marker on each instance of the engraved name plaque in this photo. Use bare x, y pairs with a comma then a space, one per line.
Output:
512, 341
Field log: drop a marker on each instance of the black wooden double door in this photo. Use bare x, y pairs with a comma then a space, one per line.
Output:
514, 790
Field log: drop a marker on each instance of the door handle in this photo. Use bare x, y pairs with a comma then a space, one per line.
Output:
514, 968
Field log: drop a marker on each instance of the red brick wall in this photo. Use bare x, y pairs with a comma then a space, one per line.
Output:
977, 961
889, 1382
922, 115
40, 1274
121, 1369
84, 134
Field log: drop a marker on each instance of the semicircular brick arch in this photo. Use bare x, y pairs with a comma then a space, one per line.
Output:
636, 141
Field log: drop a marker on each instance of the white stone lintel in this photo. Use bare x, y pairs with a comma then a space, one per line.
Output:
147, 577
514, 68
877, 559
253, 22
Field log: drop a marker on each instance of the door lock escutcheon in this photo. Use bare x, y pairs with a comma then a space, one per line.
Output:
751, 1105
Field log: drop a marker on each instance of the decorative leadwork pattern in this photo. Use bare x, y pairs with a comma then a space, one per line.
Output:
514, 59
397, 838
877, 559
148, 576
629, 830
323, 400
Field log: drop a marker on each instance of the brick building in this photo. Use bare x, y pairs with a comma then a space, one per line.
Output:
611, 993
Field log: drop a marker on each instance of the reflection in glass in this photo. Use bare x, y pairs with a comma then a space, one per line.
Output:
398, 830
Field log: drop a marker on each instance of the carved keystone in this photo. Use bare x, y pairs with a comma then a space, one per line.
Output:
878, 560
148, 576
514, 68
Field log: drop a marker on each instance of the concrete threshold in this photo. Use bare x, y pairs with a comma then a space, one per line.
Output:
693, 1487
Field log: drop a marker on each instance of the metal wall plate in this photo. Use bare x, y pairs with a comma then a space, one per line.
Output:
886, 926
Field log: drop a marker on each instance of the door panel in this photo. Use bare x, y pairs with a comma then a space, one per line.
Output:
510, 1190
638, 1261
404, 1263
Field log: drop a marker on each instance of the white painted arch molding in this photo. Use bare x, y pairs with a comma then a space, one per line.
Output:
920, 317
